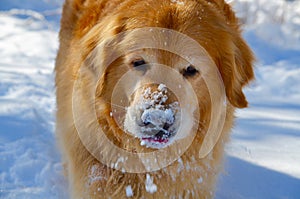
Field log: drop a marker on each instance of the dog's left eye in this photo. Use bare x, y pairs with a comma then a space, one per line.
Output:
190, 71
138, 62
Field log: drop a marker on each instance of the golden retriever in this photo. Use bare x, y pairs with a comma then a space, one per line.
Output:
136, 119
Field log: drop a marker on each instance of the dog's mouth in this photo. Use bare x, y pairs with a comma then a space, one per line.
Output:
158, 140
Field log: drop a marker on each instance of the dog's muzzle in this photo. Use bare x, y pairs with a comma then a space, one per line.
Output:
155, 112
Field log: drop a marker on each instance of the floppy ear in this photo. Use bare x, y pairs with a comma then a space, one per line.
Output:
236, 61
237, 71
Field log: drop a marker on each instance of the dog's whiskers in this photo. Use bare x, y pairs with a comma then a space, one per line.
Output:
112, 104
122, 107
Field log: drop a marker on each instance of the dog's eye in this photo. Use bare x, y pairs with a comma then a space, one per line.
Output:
190, 71
138, 62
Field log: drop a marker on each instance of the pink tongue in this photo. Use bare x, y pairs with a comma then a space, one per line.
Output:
159, 140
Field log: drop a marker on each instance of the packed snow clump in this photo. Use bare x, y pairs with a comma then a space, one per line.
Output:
158, 117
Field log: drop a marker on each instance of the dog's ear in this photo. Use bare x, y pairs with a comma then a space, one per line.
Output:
225, 9
237, 71
236, 64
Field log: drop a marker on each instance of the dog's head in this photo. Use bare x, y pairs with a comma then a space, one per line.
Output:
153, 111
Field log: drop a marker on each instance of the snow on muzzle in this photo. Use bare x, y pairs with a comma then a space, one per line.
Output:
153, 116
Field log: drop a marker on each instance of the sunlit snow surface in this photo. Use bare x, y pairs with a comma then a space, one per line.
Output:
29, 161
263, 158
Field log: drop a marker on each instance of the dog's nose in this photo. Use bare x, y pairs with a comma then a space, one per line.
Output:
158, 109
157, 120
165, 126
146, 123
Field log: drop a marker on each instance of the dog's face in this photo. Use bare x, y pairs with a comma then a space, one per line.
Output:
154, 113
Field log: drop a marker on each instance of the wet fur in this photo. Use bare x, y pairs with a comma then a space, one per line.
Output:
86, 22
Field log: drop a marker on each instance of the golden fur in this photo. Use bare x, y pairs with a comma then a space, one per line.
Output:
84, 24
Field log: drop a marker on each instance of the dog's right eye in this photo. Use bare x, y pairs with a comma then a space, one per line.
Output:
190, 71
137, 63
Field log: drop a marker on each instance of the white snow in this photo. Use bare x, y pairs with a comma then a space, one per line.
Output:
177, 2
143, 142
158, 117
162, 87
29, 161
129, 192
275, 21
200, 180
149, 185
263, 158
95, 174
154, 110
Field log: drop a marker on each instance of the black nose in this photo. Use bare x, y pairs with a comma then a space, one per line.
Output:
166, 125
146, 123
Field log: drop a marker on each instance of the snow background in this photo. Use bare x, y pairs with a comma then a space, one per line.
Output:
263, 158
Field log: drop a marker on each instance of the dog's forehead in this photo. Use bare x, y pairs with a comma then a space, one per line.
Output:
168, 14
195, 19
198, 20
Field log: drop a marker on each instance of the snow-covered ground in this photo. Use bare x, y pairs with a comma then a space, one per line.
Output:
29, 161
263, 158
264, 155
